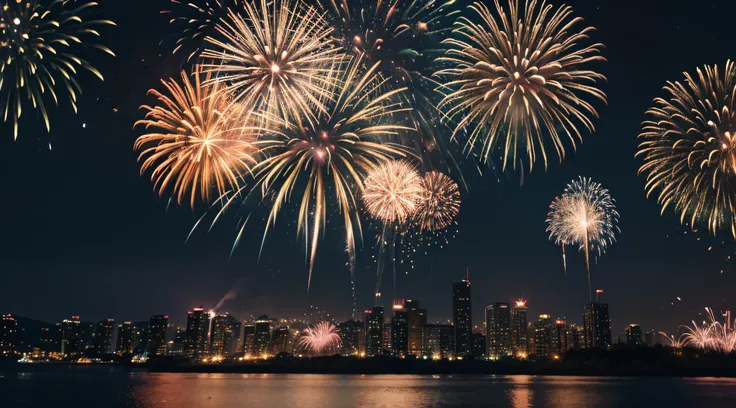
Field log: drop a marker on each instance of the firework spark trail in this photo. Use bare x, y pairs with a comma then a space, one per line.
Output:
521, 77
334, 153
278, 58
584, 216
439, 202
196, 147
689, 148
41, 52
321, 338
392, 192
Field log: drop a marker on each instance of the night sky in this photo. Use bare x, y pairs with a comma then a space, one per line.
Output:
83, 234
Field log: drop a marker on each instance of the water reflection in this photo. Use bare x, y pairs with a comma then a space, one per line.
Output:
86, 389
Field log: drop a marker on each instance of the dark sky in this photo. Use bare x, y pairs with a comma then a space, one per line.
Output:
82, 233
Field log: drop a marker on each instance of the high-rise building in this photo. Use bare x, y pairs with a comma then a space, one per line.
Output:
417, 320
224, 335
498, 330
387, 339
400, 330
558, 338
71, 336
531, 338
462, 317
103, 336
157, 327
280, 341
352, 334
126, 338
575, 337
374, 331
8, 335
195, 338
597, 326
543, 336
478, 342
633, 335
650, 338
519, 325
249, 338
437, 341
262, 340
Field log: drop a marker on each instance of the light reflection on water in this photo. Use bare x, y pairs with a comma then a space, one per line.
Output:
114, 388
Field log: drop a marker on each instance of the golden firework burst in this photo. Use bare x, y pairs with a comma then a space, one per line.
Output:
278, 57
41, 54
198, 147
439, 202
392, 191
518, 80
689, 148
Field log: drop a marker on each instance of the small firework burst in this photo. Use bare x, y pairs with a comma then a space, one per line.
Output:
584, 216
392, 192
322, 338
439, 202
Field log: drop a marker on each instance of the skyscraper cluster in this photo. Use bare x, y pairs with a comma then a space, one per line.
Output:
403, 331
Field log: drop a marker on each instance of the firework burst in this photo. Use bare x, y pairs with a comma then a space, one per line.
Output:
196, 148
710, 335
195, 20
322, 338
392, 192
439, 202
584, 216
335, 153
41, 53
405, 36
519, 80
689, 148
278, 58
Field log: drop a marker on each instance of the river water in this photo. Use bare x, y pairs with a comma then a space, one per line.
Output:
110, 387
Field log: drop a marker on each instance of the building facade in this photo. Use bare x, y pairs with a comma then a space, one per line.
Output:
498, 330
262, 338
103, 336
71, 336
633, 335
195, 337
462, 317
400, 330
417, 320
596, 326
519, 325
8, 335
437, 341
374, 331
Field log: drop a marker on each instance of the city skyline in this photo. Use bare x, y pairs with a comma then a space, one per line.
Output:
85, 233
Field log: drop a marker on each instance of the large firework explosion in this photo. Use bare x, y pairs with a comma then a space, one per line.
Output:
689, 148
439, 202
584, 216
278, 58
322, 338
41, 50
518, 81
196, 147
710, 335
334, 154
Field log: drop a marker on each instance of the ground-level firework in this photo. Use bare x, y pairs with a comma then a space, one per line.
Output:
320, 339
710, 335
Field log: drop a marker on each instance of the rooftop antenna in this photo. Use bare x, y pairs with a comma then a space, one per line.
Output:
467, 273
